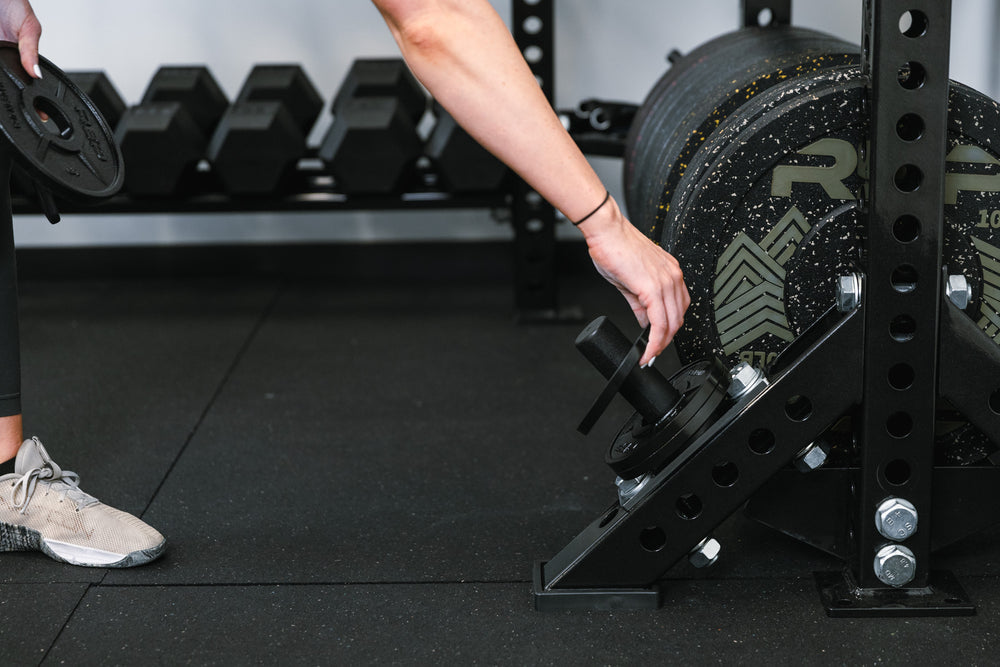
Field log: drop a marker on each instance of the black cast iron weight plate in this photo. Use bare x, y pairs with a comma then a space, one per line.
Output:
59, 136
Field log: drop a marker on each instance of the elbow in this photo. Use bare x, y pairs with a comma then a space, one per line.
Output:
421, 39
417, 30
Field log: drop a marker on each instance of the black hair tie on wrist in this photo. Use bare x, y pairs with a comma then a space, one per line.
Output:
607, 196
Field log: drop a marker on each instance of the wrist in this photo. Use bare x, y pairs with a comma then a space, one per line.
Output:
606, 219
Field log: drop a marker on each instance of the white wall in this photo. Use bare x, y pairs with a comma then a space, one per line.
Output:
613, 49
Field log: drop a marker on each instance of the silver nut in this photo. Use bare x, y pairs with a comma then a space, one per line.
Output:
895, 565
706, 553
957, 289
812, 457
848, 292
744, 378
629, 488
896, 519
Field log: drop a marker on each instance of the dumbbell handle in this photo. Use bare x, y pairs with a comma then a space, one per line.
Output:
646, 390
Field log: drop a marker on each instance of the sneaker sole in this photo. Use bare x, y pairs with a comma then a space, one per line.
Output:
19, 538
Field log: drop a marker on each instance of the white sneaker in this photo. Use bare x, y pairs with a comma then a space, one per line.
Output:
43, 509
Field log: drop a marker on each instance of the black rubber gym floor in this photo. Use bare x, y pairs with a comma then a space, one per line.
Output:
362, 471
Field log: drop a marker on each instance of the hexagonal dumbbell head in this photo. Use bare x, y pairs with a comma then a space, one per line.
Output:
370, 145
895, 565
255, 147
382, 77
161, 146
195, 88
896, 519
287, 84
706, 553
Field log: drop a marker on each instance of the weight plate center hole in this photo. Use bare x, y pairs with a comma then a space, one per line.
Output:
52, 117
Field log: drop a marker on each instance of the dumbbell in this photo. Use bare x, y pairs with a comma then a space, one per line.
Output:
98, 87
373, 140
164, 137
464, 165
262, 136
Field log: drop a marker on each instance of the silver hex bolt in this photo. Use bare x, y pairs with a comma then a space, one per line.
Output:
895, 565
848, 292
630, 488
957, 289
896, 519
812, 457
706, 553
744, 378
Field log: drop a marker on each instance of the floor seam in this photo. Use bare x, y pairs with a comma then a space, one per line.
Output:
223, 382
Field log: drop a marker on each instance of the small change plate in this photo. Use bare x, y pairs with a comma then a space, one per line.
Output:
58, 135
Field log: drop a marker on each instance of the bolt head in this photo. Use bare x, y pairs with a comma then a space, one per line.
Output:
744, 378
629, 488
848, 292
812, 457
896, 519
895, 565
706, 553
957, 289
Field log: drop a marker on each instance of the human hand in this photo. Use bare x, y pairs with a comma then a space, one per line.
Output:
19, 24
648, 277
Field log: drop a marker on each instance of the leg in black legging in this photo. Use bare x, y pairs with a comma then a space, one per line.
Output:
10, 352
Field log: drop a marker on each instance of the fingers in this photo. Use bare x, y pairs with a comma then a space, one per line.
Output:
659, 333
665, 316
27, 43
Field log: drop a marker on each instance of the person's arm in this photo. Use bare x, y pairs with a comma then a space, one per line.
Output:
463, 53
19, 24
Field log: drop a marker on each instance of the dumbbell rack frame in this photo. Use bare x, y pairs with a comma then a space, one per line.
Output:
887, 361
533, 220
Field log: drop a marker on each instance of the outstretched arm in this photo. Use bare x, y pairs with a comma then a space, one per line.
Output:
19, 24
463, 53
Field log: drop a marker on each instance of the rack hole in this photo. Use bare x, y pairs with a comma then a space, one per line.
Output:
608, 517
534, 225
798, 408
902, 328
911, 75
913, 23
652, 538
765, 17
904, 278
901, 376
761, 441
995, 402
532, 25
534, 54
910, 127
725, 474
897, 472
908, 178
899, 424
906, 229
689, 506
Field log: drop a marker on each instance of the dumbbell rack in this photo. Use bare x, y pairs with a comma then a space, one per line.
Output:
887, 359
533, 220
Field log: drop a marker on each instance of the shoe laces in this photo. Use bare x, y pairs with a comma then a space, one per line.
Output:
66, 482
